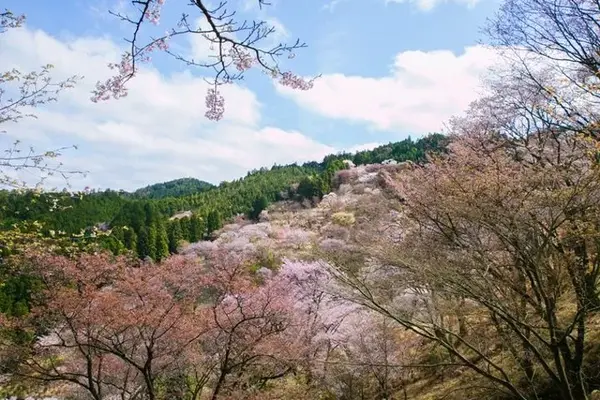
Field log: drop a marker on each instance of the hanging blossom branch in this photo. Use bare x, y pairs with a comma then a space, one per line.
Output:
236, 46
20, 93
16, 160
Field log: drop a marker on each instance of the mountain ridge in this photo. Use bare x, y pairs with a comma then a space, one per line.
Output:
206, 207
172, 188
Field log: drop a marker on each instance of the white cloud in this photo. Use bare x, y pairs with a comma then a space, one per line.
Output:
279, 34
202, 50
332, 4
428, 5
422, 91
156, 133
364, 146
422, 5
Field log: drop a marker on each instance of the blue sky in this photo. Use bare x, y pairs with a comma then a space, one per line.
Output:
389, 69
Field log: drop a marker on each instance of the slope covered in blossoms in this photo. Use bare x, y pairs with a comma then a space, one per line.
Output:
372, 291
350, 347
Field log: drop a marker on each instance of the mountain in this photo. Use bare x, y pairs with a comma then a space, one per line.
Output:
205, 207
175, 188
337, 250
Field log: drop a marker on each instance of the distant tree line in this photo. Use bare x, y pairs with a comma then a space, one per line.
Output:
142, 222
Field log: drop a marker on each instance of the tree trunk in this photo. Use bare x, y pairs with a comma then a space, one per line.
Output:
218, 385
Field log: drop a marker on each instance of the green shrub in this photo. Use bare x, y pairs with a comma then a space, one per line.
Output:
343, 218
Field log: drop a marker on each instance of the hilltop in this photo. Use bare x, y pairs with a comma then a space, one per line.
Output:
174, 188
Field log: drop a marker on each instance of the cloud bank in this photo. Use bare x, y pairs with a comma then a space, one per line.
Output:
422, 91
158, 132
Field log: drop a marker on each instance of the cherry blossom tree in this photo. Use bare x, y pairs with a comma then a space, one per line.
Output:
20, 93
217, 322
235, 47
496, 263
376, 362
347, 349
113, 326
549, 52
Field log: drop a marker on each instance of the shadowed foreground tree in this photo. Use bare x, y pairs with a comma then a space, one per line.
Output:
111, 328
498, 263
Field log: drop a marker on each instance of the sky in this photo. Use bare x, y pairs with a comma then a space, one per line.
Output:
388, 69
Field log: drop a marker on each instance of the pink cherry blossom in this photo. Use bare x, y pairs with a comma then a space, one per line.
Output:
115, 86
215, 104
295, 82
152, 13
234, 54
241, 59
162, 44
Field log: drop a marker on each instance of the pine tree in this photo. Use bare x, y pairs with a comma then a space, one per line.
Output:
148, 213
174, 235
118, 234
114, 245
196, 229
144, 249
213, 221
161, 242
258, 206
184, 224
130, 240
152, 233
308, 188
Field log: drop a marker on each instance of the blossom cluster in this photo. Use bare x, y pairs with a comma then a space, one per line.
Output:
215, 105
293, 81
152, 12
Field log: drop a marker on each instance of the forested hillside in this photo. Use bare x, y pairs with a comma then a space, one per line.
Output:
274, 306
463, 266
174, 188
140, 221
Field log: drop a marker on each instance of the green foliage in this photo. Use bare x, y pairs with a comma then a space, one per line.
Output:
139, 221
213, 221
114, 245
162, 243
146, 246
132, 215
130, 239
317, 185
196, 229
343, 218
310, 187
185, 227
405, 150
59, 211
268, 259
16, 292
260, 204
19, 285
174, 235
175, 188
